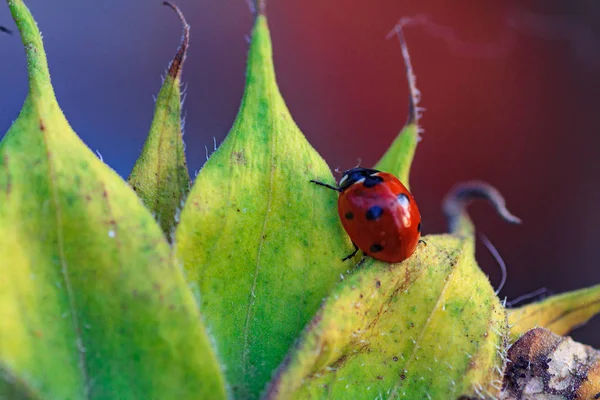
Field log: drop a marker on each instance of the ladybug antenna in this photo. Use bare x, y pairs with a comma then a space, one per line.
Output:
337, 170
494, 252
358, 161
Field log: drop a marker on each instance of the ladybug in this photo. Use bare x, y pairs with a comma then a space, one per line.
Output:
378, 213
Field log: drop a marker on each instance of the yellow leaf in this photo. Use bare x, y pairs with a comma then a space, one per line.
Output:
560, 313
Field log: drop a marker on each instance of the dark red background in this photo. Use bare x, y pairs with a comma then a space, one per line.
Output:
510, 88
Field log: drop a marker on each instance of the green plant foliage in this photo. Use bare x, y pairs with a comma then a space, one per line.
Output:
263, 244
91, 303
160, 176
559, 313
398, 158
404, 145
95, 304
429, 327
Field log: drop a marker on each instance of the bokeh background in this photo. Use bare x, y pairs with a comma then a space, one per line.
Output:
511, 91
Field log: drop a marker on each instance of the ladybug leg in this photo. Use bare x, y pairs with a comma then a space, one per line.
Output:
349, 256
362, 260
422, 241
337, 189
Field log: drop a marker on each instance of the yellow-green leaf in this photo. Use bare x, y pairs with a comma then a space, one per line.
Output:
429, 327
91, 304
398, 158
263, 244
160, 176
560, 313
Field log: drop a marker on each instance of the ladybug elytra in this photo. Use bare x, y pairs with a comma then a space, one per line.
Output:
378, 213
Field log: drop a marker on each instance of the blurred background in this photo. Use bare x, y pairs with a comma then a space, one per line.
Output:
511, 91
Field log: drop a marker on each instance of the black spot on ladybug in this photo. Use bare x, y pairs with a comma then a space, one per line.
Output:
371, 181
376, 248
403, 200
349, 215
374, 213
419, 228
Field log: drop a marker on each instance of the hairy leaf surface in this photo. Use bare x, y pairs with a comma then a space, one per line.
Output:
91, 304
160, 176
263, 244
559, 313
429, 327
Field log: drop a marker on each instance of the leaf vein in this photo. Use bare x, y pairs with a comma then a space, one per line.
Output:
252, 294
63, 262
433, 312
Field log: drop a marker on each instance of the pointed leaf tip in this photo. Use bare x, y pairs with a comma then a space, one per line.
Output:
37, 64
414, 93
279, 238
160, 176
87, 276
177, 63
463, 194
261, 7
257, 7
560, 313
399, 157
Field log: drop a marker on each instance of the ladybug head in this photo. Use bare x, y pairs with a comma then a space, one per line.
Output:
354, 175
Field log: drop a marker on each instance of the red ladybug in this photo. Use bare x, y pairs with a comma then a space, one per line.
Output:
378, 213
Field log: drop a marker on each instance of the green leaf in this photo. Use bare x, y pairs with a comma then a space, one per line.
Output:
398, 158
560, 313
429, 327
263, 244
160, 176
91, 304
